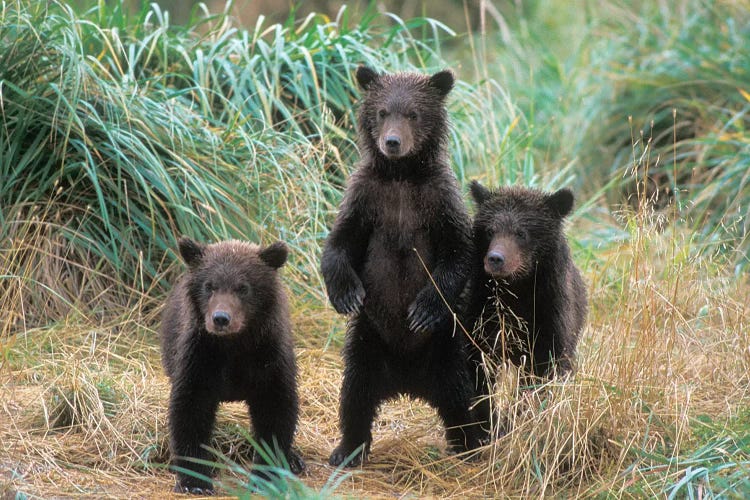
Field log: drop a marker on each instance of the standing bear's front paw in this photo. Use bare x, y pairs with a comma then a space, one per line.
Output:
296, 463
427, 312
348, 299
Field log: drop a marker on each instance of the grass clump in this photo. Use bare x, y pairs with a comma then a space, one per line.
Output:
101, 170
277, 480
682, 75
85, 404
719, 463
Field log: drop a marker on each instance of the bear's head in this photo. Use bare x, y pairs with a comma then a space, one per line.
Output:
231, 282
517, 227
403, 114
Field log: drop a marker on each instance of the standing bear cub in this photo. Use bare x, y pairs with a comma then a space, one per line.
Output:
527, 300
226, 336
398, 251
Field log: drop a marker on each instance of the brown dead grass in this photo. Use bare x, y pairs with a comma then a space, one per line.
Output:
667, 339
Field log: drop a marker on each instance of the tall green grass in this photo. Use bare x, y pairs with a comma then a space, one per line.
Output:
716, 466
120, 132
655, 93
682, 74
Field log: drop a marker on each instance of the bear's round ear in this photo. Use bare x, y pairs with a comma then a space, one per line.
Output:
366, 76
274, 254
479, 192
443, 81
191, 251
560, 202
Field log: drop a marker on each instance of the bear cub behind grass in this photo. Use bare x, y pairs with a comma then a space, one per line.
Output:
401, 218
527, 300
226, 336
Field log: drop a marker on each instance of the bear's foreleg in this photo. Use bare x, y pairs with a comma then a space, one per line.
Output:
434, 307
343, 254
345, 289
273, 408
192, 412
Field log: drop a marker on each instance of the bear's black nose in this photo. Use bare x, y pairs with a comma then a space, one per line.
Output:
496, 259
221, 318
392, 141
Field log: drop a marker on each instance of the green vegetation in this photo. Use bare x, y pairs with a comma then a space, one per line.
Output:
643, 93
120, 131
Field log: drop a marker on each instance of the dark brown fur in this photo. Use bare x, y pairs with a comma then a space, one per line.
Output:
402, 217
527, 300
226, 336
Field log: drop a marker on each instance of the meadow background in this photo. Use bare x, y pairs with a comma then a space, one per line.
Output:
122, 127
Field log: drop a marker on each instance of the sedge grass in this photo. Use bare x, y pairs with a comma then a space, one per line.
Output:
668, 79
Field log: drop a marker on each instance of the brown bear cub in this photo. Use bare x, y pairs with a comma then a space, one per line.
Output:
401, 225
226, 336
526, 300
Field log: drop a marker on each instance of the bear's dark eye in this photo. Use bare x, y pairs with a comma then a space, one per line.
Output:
242, 289
412, 116
520, 234
209, 287
382, 113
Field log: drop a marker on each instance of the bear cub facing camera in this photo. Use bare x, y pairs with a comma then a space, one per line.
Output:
527, 300
226, 336
398, 251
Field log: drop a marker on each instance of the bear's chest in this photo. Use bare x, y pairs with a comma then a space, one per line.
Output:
238, 366
403, 214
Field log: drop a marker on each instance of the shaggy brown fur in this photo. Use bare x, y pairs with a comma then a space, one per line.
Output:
527, 300
402, 212
226, 337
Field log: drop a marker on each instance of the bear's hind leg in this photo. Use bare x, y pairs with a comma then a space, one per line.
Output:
451, 394
362, 390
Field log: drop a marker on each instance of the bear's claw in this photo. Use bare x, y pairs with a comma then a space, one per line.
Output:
193, 490
296, 463
348, 456
351, 301
421, 317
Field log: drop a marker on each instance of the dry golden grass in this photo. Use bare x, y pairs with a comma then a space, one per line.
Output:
84, 399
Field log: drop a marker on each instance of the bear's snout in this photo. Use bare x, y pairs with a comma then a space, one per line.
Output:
391, 144
221, 319
225, 314
495, 261
396, 139
503, 258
